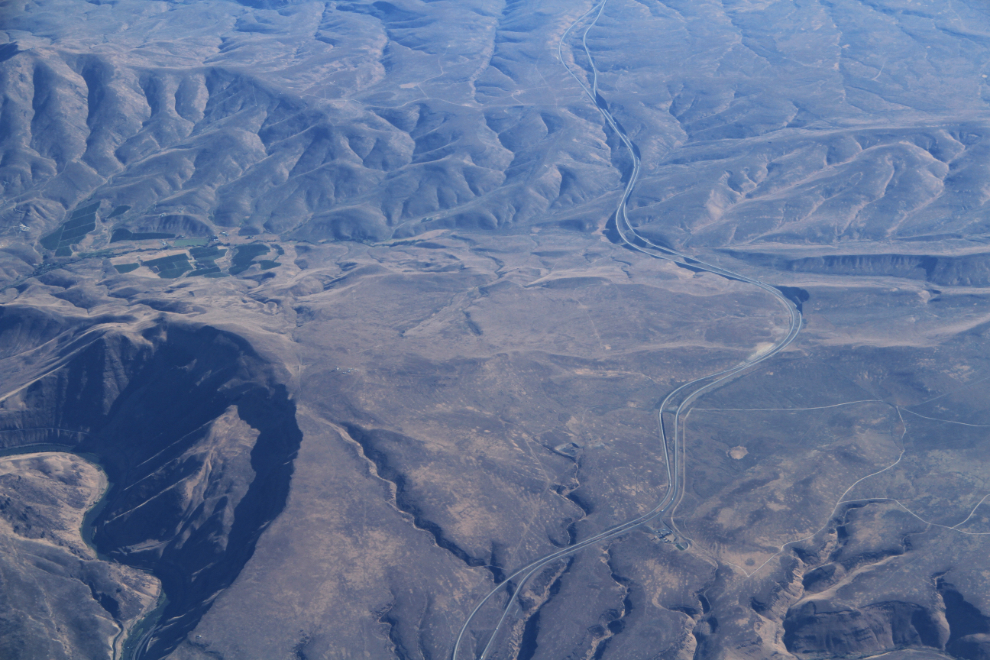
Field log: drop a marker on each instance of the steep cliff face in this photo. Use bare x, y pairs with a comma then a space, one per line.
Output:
940, 270
195, 434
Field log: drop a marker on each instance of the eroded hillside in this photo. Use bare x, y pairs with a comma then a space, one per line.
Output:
338, 299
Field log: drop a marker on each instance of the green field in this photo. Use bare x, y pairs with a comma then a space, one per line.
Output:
191, 242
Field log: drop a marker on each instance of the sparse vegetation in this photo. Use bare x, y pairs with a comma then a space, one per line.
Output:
207, 271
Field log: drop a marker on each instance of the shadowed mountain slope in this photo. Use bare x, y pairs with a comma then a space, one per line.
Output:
193, 431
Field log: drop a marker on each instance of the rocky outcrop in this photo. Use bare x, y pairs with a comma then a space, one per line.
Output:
813, 630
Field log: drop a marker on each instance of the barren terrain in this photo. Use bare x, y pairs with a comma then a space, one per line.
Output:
349, 330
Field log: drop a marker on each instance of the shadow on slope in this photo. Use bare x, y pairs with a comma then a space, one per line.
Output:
198, 440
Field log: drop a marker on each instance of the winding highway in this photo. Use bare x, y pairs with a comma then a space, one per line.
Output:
674, 406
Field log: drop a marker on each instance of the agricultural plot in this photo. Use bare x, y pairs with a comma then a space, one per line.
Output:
71, 232
206, 261
170, 267
207, 255
213, 271
118, 210
97, 254
245, 255
201, 262
127, 235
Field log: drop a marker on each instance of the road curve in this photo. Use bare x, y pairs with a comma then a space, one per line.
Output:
675, 404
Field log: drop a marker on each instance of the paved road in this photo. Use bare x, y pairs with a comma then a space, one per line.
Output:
674, 406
